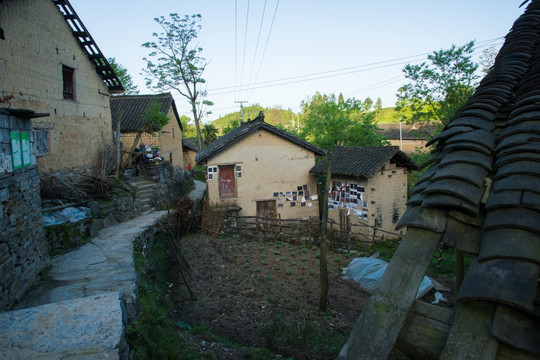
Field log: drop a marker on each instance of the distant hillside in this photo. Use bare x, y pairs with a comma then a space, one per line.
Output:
274, 116
389, 115
284, 118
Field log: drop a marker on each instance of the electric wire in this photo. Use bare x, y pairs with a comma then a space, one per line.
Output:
257, 44
245, 42
235, 45
266, 45
337, 72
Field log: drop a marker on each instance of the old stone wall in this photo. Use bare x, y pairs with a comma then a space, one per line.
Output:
23, 249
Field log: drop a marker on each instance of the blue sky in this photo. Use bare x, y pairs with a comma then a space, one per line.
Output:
354, 47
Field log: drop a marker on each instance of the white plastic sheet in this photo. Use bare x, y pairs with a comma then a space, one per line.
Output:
69, 214
368, 272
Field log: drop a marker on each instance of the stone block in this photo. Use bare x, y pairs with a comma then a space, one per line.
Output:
109, 220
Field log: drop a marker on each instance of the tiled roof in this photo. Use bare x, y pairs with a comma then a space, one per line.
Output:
247, 128
89, 46
131, 109
485, 177
408, 132
362, 161
190, 143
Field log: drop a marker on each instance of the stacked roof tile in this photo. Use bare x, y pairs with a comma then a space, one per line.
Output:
239, 133
131, 109
485, 176
362, 161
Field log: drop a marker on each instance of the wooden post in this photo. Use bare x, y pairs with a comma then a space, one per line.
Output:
323, 301
117, 145
379, 324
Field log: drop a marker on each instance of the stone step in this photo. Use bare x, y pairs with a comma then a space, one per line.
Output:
84, 328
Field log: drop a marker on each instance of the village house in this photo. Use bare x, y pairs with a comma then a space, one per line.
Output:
368, 187
130, 111
409, 138
263, 170
190, 148
50, 64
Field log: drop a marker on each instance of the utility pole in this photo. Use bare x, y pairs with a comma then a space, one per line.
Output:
400, 136
241, 110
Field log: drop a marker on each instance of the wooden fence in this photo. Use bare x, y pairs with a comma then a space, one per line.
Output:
218, 221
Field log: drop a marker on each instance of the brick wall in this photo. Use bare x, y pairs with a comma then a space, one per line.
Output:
23, 249
38, 42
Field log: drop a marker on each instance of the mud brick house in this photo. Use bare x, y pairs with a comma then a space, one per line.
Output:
409, 138
130, 111
49, 63
369, 186
263, 170
481, 196
190, 148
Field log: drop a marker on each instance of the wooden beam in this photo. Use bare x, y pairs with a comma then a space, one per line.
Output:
377, 328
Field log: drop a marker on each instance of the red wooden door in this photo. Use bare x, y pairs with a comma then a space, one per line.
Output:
227, 184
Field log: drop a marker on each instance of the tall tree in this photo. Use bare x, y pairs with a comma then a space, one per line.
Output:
329, 122
188, 129
124, 76
210, 133
175, 63
487, 58
438, 88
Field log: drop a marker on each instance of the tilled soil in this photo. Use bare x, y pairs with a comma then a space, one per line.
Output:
257, 294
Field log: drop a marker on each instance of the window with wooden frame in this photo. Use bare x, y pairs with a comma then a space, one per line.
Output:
68, 79
41, 142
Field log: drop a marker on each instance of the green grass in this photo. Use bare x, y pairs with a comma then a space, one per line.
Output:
313, 336
153, 334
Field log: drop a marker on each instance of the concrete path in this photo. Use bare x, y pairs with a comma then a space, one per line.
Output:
85, 289
198, 192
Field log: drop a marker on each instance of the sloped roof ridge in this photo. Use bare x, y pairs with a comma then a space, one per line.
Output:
246, 128
90, 47
356, 161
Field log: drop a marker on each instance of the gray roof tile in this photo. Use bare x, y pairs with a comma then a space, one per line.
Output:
131, 109
232, 137
362, 161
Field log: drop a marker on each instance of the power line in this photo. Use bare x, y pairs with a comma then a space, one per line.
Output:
245, 41
337, 72
266, 44
257, 44
235, 44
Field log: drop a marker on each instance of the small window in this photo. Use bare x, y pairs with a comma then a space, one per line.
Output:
68, 78
41, 142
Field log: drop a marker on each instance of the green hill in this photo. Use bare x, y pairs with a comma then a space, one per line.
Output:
287, 118
275, 116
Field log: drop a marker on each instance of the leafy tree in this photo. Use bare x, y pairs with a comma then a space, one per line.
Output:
378, 106
369, 103
175, 62
125, 78
153, 120
188, 129
438, 89
210, 133
230, 126
328, 123
487, 59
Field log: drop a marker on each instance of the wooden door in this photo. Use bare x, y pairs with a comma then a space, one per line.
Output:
227, 185
267, 209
